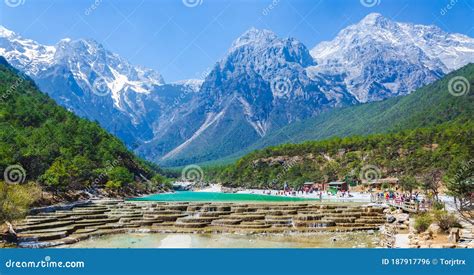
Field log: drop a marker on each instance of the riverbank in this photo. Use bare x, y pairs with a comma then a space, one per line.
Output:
351, 197
70, 198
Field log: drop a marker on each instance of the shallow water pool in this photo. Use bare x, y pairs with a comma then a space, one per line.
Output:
159, 240
215, 196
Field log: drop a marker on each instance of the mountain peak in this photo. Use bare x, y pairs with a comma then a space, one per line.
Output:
254, 36
4, 32
84, 43
375, 19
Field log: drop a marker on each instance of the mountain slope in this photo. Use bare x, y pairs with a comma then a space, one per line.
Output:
260, 85
417, 152
380, 58
44, 142
81, 75
263, 83
428, 106
267, 82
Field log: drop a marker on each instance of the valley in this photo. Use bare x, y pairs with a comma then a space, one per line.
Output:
171, 123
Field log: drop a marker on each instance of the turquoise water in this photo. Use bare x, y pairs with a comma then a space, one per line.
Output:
213, 196
158, 240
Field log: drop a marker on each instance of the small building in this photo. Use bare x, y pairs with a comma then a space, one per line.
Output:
338, 185
320, 186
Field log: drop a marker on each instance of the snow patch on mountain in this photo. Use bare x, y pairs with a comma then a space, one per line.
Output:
193, 84
211, 118
380, 58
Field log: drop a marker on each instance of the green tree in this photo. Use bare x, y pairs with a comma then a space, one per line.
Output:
432, 181
460, 182
408, 183
57, 175
118, 177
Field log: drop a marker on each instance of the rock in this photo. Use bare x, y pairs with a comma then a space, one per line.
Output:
425, 236
434, 228
402, 217
391, 219
453, 235
403, 226
7, 233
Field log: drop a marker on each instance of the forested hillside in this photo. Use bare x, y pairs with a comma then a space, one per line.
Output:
44, 143
411, 152
431, 105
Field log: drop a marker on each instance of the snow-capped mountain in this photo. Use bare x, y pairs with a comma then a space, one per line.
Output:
95, 83
193, 84
263, 83
260, 85
25, 54
379, 58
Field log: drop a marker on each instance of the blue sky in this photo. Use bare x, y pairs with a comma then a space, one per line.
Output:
184, 38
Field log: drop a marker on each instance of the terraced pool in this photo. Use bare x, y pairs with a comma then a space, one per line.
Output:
215, 196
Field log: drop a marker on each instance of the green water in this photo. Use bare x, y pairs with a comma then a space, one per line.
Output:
214, 196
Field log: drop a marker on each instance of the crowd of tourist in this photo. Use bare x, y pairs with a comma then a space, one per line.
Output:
398, 198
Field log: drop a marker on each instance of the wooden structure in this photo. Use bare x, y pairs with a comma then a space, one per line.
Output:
339, 185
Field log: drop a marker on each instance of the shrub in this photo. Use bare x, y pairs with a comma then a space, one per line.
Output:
111, 184
408, 183
445, 220
422, 222
119, 176
437, 205
15, 199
